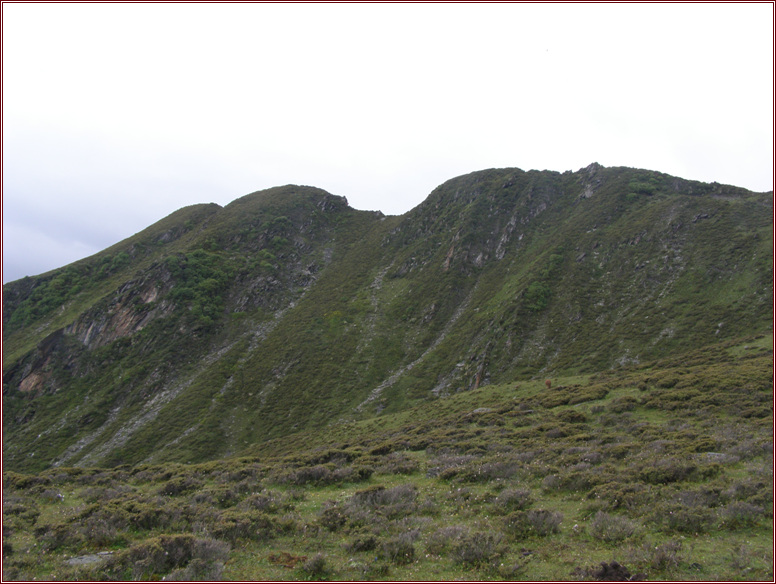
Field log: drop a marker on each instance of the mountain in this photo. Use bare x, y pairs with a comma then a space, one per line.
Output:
220, 328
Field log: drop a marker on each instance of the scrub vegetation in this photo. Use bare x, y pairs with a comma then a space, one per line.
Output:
649, 470
530, 376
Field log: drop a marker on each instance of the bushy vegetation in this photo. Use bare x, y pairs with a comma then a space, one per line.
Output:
289, 389
289, 310
635, 484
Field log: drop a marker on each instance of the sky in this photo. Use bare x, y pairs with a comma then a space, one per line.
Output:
116, 115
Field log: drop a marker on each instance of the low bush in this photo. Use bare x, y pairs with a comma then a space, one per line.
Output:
665, 470
752, 490
701, 497
234, 525
325, 474
100, 532
539, 522
315, 475
182, 554
672, 517
397, 463
395, 502
57, 536
442, 540
19, 510
611, 528
178, 486
399, 549
657, 558
608, 572
616, 495
332, 517
487, 471
364, 543
372, 570
477, 549
197, 570
447, 466
105, 494
315, 568
23, 482
574, 394
510, 500
740, 515
624, 403
268, 502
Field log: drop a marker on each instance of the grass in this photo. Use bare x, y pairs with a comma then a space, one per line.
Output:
323, 393
291, 308
494, 483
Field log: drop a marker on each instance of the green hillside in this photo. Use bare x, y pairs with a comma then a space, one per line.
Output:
220, 328
661, 471
530, 376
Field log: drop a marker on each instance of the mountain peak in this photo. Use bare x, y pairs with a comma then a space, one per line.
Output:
222, 327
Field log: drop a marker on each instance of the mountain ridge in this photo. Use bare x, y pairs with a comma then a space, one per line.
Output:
221, 327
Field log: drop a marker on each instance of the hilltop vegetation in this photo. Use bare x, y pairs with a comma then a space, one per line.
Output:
220, 328
661, 471
287, 388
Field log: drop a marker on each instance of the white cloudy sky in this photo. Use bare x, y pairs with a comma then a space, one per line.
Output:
115, 115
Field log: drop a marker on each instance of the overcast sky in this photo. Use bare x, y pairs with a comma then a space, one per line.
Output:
115, 115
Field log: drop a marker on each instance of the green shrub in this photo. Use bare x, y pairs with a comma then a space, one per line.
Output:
268, 502
19, 509
535, 522
447, 466
657, 558
442, 540
395, 502
678, 518
332, 518
611, 528
398, 463
622, 495
607, 572
399, 549
100, 531
52, 496
536, 296
370, 571
13, 480
58, 535
510, 500
315, 568
236, 524
178, 486
157, 556
752, 490
477, 549
665, 470
197, 570
326, 474
624, 403
740, 515
365, 543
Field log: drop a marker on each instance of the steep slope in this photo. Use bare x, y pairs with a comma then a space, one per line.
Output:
287, 310
657, 467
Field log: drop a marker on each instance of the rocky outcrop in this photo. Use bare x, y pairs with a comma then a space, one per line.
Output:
287, 309
129, 310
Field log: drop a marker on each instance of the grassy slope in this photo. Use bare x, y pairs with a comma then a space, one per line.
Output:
36, 307
665, 468
500, 275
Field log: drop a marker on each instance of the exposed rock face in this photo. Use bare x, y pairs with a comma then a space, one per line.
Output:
220, 327
127, 313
